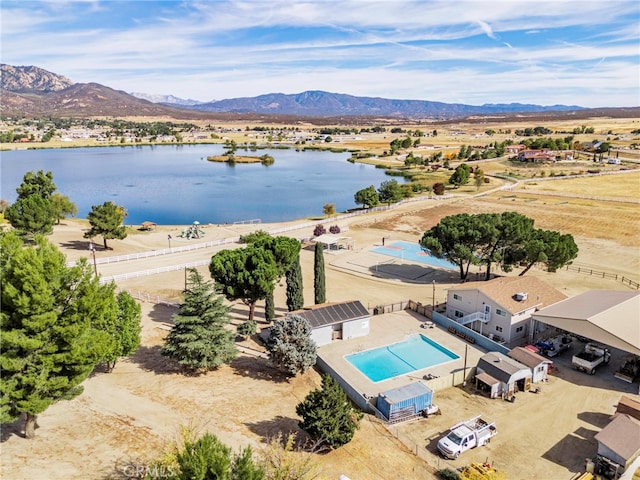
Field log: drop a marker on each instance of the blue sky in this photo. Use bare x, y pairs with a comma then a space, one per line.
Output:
577, 52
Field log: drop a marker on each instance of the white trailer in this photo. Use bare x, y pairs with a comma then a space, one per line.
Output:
463, 436
591, 357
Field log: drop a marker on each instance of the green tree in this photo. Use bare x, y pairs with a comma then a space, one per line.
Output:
367, 197
478, 177
123, 327
62, 207
269, 307
106, 220
390, 192
248, 328
328, 416
295, 294
246, 274
33, 213
548, 247
458, 239
460, 176
49, 342
209, 459
319, 286
199, 339
290, 345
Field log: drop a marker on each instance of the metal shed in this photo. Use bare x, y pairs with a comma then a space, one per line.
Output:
404, 401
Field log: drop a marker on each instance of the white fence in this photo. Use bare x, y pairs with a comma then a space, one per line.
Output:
153, 271
275, 231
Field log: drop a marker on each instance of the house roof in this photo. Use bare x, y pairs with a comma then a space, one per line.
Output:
527, 357
622, 436
502, 291
606, 316
332, 313
502, 368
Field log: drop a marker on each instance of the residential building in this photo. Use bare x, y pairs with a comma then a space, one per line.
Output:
501, 308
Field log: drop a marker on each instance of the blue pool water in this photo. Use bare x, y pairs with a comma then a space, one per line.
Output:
399, 358
413, 252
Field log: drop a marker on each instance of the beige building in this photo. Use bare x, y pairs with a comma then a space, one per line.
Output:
501, 308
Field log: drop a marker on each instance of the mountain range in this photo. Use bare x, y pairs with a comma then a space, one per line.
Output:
30, 91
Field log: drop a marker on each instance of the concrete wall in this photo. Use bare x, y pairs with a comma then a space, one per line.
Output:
355, 396
480, 340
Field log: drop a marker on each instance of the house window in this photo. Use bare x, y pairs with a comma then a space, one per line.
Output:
519, 329
457, 297
502, 313
458, 314
498, 329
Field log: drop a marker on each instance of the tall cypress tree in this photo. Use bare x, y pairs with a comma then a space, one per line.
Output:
269, 307
319, 289
295, 295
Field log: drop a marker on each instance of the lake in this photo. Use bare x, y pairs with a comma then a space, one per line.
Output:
176, 185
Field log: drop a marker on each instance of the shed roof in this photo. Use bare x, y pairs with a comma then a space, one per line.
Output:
329, 239
501, 367
527, 357
486, 378
606, 316
331, 313
502, 291
621, 435
406, 392
629, 406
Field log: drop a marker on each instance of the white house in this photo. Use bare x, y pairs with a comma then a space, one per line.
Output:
538, 364
501, 308
336, 321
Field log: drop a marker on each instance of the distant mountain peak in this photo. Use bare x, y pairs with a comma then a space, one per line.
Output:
30, 79
165, 99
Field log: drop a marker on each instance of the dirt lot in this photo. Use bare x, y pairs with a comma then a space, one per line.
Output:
129, 414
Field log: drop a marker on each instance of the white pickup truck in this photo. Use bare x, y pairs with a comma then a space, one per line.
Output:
463, 436
592, 356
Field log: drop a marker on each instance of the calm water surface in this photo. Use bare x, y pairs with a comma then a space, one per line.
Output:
175, 185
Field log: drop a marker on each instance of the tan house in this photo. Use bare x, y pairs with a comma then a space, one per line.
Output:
501, 308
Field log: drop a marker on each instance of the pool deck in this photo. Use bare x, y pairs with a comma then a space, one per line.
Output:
391, 328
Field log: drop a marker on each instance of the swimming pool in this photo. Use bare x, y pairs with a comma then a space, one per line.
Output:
413, 252
386, 362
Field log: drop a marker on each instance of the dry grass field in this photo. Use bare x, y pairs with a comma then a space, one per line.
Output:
130, 414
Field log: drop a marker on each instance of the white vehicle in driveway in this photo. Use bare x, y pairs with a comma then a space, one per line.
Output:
475, 432
591, 357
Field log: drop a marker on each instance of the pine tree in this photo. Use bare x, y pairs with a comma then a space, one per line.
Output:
106, 220
33, 212
295, 294
269, 308
199, 339
327, 415
290, 345
319, 289
49, 341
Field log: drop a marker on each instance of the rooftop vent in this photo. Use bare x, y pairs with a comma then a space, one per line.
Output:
521, 296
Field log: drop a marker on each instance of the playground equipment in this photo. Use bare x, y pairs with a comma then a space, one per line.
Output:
192, 231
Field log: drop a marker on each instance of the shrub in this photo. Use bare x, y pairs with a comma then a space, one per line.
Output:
438, 188
448, 474
319, 230
334, 229
247, 328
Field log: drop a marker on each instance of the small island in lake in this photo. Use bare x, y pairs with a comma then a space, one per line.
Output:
264, 159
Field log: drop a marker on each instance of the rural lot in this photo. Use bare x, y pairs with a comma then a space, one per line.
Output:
130, 415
